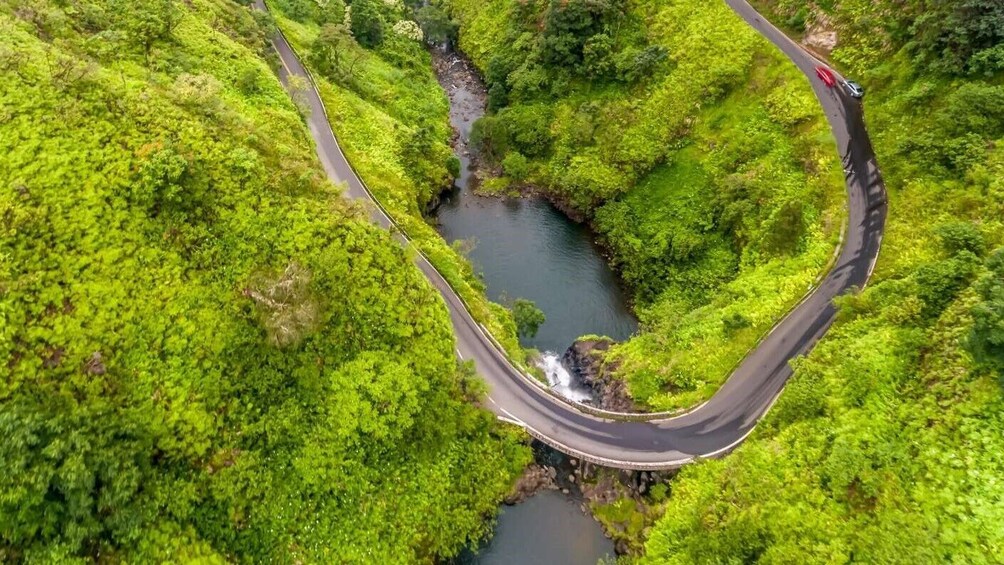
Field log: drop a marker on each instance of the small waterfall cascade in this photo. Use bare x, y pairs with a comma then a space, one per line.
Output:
560, 379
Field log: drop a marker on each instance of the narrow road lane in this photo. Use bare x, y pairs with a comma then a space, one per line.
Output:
723, 422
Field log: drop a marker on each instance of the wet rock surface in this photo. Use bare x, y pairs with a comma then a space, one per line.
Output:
585, 360
595, 487
535, 478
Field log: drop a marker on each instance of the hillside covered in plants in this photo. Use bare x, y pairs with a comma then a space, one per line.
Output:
370, 62
694, 148
887, 445
701, 158
208, 354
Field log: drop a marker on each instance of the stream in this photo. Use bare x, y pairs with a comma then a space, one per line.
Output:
526, 248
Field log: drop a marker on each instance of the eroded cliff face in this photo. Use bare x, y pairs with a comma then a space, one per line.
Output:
586, 360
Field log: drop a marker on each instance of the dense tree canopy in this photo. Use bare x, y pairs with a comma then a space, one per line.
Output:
527, 316
886, 444
208, 355
711, 180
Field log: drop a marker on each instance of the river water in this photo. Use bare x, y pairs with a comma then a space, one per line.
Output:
548, 529
525, 248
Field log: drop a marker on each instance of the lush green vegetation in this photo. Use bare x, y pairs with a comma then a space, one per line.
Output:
694, 148
208, 355
887, 445
527, 316
391, 119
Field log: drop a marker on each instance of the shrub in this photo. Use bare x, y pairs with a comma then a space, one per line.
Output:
516, 166
528, 317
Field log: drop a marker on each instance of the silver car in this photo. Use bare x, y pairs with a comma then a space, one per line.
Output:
854, 89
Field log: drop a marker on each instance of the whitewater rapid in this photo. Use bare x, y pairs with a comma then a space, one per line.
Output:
560, 380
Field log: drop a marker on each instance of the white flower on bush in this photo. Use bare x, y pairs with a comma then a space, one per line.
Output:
409, 29
395, 4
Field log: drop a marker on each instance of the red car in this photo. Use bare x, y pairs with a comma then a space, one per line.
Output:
826, 75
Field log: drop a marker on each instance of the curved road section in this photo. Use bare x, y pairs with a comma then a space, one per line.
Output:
722, 423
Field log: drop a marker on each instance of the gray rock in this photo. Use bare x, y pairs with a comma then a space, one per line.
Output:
584, 360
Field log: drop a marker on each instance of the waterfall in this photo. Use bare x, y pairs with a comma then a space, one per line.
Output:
560, 379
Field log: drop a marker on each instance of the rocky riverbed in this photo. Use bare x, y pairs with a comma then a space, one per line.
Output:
596, 489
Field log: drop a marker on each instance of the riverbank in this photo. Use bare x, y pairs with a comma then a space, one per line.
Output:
710, 177
528, 248
524, 247
622, 502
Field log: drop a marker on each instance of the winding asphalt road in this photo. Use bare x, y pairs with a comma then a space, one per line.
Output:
718, 426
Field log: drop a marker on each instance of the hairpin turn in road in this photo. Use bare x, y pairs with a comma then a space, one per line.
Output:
722, 423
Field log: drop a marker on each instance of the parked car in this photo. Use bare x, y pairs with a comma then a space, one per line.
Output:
854, 89
827, 76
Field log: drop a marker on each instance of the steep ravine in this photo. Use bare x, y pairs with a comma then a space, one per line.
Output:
527, 248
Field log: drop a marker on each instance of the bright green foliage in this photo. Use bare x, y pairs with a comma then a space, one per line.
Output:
527, 316
208, 355
391, 119
697, 151
886, 446
516, 166
144, 24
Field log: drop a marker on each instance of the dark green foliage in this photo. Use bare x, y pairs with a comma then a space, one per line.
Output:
453, 166
498, 96
529, 128
986, 342
490, 136
635, 64
968, 118
516, 166
249, 82
962, 236
941, 282
415, 156
367, 23
524, 128
326, 12
735, 322
527, 316
328, 53
79, 474
436, 24
597, 56
570, 24
797, 20
552, 45
962, 36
